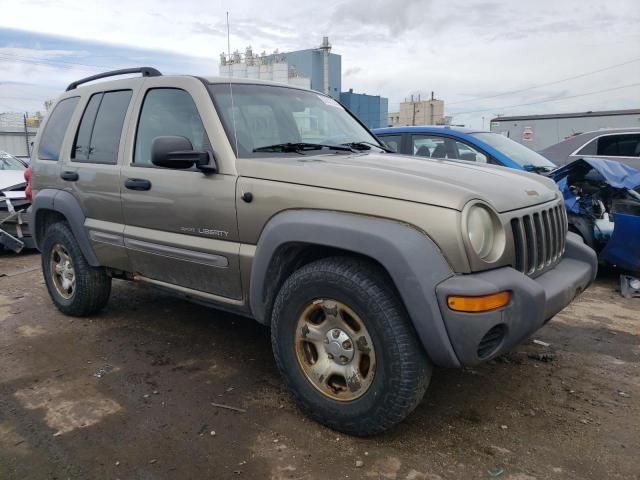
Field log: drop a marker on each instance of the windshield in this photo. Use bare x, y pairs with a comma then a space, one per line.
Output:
259, 117
523, 156
9, 162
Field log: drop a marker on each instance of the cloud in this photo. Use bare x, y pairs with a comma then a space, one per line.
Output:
352, 71
460, 49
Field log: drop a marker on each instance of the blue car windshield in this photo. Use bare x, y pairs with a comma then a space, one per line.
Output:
523, 156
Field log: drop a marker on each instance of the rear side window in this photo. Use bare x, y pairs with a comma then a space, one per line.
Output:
431, 146
167, 112
98, 136
53, 134
619, 146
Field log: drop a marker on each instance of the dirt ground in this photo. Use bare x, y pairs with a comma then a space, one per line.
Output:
128, 394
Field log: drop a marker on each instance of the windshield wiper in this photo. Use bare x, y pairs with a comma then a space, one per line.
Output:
300, 147
367, 146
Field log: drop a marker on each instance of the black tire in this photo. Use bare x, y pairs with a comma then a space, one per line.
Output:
92, 285
402, 371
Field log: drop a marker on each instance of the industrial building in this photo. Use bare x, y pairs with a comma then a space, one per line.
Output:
415, 111
315, 68
370, 109
542, 131
17, 131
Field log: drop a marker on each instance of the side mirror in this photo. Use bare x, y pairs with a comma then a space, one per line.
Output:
178, 153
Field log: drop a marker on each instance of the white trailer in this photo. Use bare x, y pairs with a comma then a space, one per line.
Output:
541, 131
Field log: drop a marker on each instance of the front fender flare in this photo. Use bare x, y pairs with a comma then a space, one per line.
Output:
414, 263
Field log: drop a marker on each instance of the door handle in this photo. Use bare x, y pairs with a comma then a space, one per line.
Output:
69, 176
137, 184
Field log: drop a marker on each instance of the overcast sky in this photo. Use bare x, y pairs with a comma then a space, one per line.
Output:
465, 51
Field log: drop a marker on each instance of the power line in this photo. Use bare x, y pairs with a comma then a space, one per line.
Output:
548, 83
6, 57
60, 63
550, 100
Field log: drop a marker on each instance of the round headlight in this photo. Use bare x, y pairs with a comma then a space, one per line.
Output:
480, 229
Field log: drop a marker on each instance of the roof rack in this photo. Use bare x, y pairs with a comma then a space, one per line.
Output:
145, 71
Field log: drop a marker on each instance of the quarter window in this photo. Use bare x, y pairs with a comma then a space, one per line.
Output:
168, 112
54, 130
98, 137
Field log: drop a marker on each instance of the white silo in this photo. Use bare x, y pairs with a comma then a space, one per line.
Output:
239, 70
301, 82
281, 72
253, 71
266, 71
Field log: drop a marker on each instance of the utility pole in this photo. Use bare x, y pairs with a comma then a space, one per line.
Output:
431, 108
26, 135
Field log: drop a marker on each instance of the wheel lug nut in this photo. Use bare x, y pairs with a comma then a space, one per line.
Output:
343, 359
330, 356
336, 333
347, 345
326, 340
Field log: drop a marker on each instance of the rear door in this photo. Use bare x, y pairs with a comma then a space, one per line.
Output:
92, 174
51, 146
181, 226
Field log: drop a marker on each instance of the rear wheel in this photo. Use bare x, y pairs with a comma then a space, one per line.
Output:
346, 348
75, 287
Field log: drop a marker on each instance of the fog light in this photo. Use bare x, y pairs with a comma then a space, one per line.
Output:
483, 303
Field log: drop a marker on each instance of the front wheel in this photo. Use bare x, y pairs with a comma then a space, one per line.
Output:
345, 346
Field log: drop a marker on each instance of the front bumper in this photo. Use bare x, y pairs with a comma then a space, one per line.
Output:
478, 337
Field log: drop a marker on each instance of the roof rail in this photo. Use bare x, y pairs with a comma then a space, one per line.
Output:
145, 71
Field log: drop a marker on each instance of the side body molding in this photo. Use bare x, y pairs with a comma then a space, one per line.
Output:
64, 203
413, 261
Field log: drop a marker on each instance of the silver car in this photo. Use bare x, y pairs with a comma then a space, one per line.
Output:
14, 231
622, 145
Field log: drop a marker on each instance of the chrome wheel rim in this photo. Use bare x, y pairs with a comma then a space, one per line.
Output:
63, 274
334, 350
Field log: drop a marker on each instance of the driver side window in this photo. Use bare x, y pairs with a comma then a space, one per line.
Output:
167, 112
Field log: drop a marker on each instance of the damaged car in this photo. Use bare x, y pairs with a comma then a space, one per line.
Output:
14, 203
602, 198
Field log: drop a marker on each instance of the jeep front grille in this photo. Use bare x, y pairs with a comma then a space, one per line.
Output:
539, 238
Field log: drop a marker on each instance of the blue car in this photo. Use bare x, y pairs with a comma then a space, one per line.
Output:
463, 144
602, 197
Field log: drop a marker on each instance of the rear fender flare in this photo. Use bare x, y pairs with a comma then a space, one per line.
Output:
68, 206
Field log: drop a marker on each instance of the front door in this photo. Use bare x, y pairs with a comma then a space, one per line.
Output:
181, 225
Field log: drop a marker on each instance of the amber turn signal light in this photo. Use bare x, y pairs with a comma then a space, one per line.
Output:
484, 303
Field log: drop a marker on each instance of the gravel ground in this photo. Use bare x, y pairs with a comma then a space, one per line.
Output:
130, 394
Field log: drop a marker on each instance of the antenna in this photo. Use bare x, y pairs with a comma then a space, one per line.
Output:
233, 109
228, 37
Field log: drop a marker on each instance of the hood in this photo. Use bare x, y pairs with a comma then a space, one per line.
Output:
445, 183
11, 178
